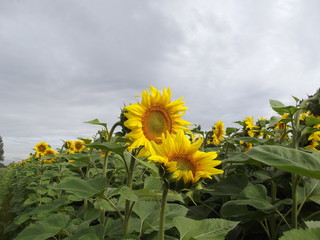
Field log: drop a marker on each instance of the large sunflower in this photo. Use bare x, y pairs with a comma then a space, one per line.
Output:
183, 160
154, 116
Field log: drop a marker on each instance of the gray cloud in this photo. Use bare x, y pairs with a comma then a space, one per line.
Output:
66, 62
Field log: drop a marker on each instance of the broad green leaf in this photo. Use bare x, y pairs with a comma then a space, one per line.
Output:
151, 166
84, 231
205, 229
254, 196
153, 183
230, 186
149, 212
82, 157
82, 188
277, 106
312, 224
97, 122
144, 208
311, 121
258, 191
45, 228
288, 159
89, 236
274, 120
254, 140
91, 214
108, 146
280, 108
309, 190
301, 234
137, 195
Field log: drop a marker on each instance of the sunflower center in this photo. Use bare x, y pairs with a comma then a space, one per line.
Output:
41, 148
155, 122
78, 145
183, 163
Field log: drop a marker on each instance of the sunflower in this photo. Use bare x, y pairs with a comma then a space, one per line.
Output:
218, 132
250, 127
154, 116
69, 144
50, 151
183, 160
41, 148
79, 145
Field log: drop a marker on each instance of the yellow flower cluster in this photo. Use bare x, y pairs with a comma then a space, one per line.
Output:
43, 149
74, 146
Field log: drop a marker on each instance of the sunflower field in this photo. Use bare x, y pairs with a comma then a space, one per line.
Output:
154, 175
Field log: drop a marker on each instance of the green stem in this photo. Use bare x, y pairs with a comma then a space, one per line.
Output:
265, 227
312, 215
105, 165
306, 198
163, 210
114, 207
294, 177
128, 205
283, 218
112, 130
273, 229
105, 160
294, 215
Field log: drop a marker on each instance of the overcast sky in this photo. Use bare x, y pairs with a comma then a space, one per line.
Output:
65, 62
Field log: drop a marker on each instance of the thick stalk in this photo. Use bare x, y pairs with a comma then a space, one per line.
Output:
294, 177
105, 160
163, 210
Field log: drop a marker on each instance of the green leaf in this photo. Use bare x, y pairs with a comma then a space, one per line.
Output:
45, 228
144, 208
230, 186
82, 188
280, 108
301, 234
151, 166
296, 99
108, 146
274, 120
203, 229
311, 121
312, 224
254, 140
277, 106
82, 157
97, 122
89, 236
254, 196
287, 159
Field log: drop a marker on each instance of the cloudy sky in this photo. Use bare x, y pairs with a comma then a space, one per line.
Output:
65, 62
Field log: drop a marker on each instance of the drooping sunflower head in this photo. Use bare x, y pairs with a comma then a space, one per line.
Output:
182, 160
218, 132
41, 148
154, 116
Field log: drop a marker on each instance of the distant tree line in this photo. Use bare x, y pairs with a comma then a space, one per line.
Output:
1, 150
